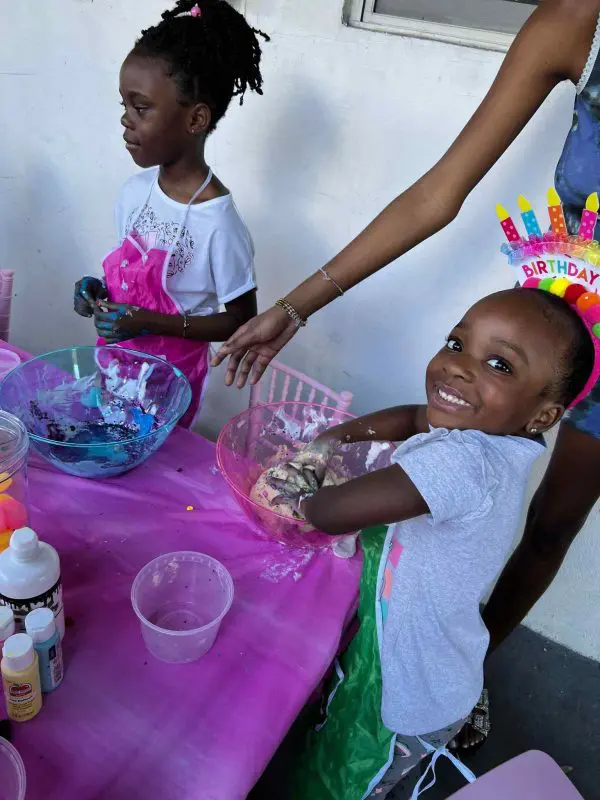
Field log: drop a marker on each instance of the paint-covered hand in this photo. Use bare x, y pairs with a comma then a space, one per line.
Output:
118, 322
87, 292
307, 468
291, 486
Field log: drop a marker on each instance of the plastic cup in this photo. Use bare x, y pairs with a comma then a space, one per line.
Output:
12, 773
8, 361
14, 506
180, 600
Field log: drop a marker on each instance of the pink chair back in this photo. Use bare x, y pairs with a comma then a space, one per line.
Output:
281, 383
531, 776
6, 284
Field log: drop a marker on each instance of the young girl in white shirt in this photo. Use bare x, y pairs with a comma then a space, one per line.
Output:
184, 250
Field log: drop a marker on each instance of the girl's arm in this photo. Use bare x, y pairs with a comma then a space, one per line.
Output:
307, 468
551, 47
121, 322
379, 498
390, 425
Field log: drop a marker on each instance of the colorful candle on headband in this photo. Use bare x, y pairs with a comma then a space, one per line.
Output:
528, 216
589, 217
508, 226
555, 210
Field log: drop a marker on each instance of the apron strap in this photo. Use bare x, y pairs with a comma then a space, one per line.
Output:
173, 245
184, 216
182, 221
142, 208
437, 752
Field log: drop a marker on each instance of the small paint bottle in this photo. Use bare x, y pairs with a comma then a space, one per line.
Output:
40, 624
7, 628
21, 678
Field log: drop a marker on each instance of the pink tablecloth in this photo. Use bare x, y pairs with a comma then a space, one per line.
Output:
124, 726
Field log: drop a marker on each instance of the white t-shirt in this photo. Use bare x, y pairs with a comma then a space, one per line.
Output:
442, 566
213, 260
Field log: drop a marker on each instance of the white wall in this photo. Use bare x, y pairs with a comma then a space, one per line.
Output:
349, 118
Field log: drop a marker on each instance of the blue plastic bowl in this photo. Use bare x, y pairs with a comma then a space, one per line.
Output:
96, 412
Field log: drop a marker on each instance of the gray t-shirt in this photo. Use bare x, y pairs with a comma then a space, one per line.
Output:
434, 640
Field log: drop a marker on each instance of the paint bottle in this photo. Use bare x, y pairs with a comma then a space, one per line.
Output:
41, 626
21, 678
30, 578
7, 628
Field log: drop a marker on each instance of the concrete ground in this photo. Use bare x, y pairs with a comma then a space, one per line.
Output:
542, 697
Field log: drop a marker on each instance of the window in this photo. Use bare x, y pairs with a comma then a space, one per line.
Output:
490, 24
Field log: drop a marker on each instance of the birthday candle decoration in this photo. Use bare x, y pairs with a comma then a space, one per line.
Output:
555, 210
508, 226
528, 216
589, 217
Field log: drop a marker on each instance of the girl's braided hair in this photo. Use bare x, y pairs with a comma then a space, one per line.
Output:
210, 51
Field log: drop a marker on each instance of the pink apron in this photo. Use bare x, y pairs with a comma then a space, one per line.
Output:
136, 274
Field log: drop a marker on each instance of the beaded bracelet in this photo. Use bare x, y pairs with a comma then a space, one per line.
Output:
291, 312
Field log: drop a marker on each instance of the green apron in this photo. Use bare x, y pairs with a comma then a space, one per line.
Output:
334, 765
348, 754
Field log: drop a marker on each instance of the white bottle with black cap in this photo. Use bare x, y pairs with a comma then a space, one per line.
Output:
30, 578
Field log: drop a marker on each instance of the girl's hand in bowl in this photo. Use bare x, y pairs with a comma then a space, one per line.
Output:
306, 470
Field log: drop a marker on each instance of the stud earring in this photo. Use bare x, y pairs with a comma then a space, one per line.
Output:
534, 431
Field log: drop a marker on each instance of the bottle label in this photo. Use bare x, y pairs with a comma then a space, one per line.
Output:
51, 599
56, 665
22, 700
18, 692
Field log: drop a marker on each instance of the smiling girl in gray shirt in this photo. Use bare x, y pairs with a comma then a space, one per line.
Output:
453, 499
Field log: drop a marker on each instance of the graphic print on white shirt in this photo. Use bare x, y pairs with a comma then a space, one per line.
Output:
154, 232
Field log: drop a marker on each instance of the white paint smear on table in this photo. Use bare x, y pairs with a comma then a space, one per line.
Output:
290, 563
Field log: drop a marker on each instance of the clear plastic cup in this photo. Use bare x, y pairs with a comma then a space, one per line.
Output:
180, 600
12, 773
14, 506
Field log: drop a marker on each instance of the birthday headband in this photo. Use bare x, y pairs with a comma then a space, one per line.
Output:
565, 265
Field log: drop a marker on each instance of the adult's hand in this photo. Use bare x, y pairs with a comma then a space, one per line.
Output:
552, 46
253, 346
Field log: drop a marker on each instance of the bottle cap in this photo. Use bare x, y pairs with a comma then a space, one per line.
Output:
7, 622
40, 624
18, 653
24, 543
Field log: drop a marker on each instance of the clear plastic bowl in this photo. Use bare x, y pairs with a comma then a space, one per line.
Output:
181, 600
96, 412
8, 361
265, 435
12, 773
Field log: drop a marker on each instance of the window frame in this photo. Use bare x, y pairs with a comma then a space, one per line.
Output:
361, 14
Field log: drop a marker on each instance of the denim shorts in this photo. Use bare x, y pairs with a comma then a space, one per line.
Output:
586, 414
